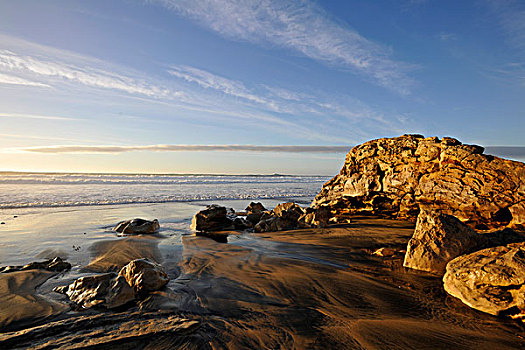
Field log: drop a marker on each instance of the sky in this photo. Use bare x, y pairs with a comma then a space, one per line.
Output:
252, 86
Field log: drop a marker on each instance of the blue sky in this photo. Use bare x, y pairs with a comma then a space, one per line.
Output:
141, 86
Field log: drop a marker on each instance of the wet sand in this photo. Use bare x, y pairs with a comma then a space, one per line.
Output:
319, 288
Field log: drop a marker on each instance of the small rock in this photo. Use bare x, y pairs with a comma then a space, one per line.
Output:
2, 223
213, 218
385, 252
137, 226
144, 275
108, 290
255, 207
315, 217
288, 211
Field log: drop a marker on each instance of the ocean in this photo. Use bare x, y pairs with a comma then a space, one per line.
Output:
30, 190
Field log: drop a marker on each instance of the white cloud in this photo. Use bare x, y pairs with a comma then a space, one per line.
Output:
188, 148
301, 26
208, 80
13, 80
36, 116
53, 68
191, 93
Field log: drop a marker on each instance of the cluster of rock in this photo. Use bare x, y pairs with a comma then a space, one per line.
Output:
285, 216
484, 270
137, 227
398, 176
53, 265
112, 290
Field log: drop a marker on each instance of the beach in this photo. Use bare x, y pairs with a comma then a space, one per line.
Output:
309, 288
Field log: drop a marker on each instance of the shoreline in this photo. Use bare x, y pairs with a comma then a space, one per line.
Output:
308, 288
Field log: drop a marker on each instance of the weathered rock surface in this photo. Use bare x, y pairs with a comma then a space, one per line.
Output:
315, 217
213, 218
284, 216
113, 290
398, 176
144, 275
137, 227
53, 265
439, 238
490, 280
109, 290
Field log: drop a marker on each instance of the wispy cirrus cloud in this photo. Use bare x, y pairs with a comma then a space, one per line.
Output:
14, 80
188, 148
510, 15
301, 26
208, 80
56, 71
37, 116
191, 91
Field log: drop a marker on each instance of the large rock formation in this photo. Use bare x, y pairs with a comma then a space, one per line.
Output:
490, 280
398, 176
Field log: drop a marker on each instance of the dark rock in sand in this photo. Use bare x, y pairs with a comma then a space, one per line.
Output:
439, 238
213, 218
398, 176
109, 290
241, 223
254, 211
53, 265
137, 227
255, 207
144, 275
491, 280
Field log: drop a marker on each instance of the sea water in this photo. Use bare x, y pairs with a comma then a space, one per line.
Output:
23, 190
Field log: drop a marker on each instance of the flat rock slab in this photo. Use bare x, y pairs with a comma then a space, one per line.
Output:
490, 280
20, 304
112, 331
